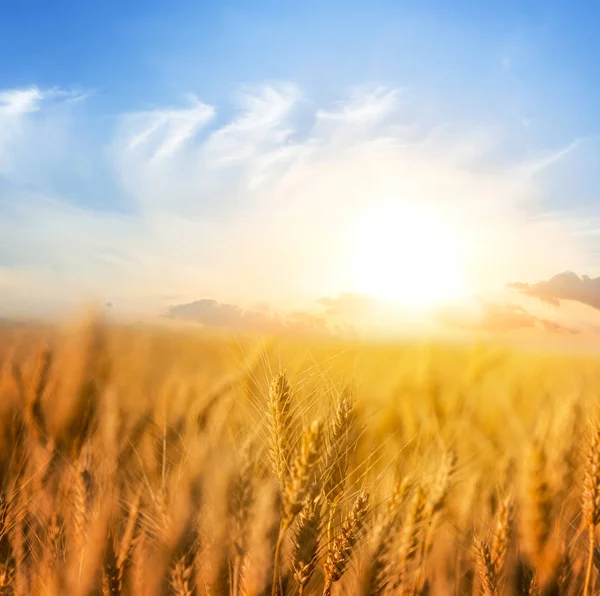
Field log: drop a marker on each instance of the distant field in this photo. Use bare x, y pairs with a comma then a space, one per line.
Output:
156, 461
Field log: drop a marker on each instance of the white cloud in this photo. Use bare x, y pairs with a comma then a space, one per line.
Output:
20, 101
24, 101
165, 131
260, 207
368, 106
261, 124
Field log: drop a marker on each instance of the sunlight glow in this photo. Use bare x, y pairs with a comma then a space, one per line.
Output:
408, 256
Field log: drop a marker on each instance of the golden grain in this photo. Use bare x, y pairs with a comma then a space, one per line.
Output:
121, 470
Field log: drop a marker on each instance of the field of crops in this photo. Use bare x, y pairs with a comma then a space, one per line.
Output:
138, 460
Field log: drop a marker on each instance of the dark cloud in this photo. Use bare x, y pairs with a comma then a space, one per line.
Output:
501, 318
564, 286
261, 320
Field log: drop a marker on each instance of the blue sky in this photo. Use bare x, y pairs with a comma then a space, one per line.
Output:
146, 52
139, 141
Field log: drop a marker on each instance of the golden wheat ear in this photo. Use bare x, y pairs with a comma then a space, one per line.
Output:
82, 496
378, 568
306, 543
7, 560
538, 505
485, 569
298, 483
297, 487
129, 539
339, 446
502, 533
111, 581
280, 422
241, 499
182, 572
257, 574
412, 537
341, 549
34, 413
591, 502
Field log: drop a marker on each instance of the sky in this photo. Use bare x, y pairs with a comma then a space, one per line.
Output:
278, 154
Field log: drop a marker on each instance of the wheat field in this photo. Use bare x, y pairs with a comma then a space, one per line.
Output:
153, 460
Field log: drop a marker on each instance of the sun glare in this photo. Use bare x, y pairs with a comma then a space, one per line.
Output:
407, 256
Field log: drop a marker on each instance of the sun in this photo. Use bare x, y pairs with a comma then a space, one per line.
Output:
402, 253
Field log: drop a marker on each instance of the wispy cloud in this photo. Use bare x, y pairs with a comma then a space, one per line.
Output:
365, 107
161, 131
547, 159
36, 132
202, 170
265, 199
